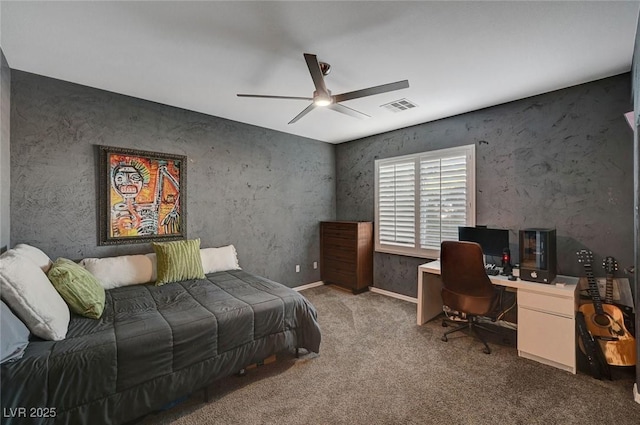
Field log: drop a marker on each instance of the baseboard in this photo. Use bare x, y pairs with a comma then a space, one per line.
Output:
308, 286
393, 295
371, 288
636, 394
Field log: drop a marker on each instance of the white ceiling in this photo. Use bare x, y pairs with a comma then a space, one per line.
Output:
457, 56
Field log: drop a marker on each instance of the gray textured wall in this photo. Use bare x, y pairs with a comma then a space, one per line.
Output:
636, 157
562, 159
5, 164
261, 190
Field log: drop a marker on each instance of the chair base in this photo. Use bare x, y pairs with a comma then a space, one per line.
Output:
473, 326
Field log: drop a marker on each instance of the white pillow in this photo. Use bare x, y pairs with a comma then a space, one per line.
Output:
34, 254
30, 294
113, 272
219, 259
154, 266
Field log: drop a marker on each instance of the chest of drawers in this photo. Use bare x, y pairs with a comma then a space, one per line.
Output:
346, 254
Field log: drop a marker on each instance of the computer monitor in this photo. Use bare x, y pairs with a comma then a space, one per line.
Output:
492, 241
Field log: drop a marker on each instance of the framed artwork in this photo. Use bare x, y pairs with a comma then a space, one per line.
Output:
141, 196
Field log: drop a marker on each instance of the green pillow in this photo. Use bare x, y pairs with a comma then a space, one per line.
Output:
78, 287
177, 261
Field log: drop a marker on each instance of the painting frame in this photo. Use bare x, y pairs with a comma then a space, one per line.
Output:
133, 206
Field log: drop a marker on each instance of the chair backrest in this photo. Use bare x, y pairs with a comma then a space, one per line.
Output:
462, 269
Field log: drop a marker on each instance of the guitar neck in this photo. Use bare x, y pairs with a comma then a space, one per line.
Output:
610, 266
608, 296
593, 289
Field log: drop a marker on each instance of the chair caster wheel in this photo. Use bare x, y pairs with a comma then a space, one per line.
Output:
486, 351
444, 338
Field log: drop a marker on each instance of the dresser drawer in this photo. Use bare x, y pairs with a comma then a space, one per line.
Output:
338, 257
337, 254
339, 230
339, 276
330, 242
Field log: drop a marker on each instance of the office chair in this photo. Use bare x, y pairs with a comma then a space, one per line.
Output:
466, 288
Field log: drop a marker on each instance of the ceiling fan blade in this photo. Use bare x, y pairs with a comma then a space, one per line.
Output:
371, 91
266, 96
348, 111
303, 113
316, 73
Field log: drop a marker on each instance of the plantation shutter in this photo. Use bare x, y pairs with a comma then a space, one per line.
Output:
397, 203
443, 199
421, 200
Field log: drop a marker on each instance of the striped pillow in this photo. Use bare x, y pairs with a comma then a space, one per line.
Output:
177, 261
79, 288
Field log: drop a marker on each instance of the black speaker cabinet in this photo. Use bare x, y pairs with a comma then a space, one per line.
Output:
538, 255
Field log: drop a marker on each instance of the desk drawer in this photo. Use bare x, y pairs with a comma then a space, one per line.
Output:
559, 305
547, 336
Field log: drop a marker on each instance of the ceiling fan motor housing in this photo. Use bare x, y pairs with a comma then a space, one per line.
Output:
325, 68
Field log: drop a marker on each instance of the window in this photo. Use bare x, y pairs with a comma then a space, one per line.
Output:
421, 200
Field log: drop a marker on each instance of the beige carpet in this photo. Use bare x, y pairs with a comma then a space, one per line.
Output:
377, 367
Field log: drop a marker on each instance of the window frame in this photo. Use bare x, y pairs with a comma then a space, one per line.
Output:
416, 251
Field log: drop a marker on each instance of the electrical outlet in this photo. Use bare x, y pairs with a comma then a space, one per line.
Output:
315, 264
297, 268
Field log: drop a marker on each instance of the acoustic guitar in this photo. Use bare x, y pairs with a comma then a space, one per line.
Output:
605, 321
597, 363
610, 266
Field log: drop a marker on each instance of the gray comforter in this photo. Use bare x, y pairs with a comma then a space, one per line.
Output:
153, 345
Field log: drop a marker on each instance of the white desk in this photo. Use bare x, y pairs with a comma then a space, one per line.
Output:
546, 314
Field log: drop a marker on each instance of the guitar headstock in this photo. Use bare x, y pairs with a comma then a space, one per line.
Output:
585, 256
610, 265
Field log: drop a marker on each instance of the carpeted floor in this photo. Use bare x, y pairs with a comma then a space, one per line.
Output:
377, 367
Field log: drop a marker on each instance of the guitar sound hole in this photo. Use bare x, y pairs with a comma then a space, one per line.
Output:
601, 319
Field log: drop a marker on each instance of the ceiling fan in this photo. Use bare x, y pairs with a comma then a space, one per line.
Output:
322, 96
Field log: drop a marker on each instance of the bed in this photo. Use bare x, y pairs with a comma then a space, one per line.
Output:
155, 344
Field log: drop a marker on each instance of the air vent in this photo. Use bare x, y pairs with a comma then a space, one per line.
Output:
399, 105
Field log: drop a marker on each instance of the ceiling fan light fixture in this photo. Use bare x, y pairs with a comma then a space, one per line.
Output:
322, 101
